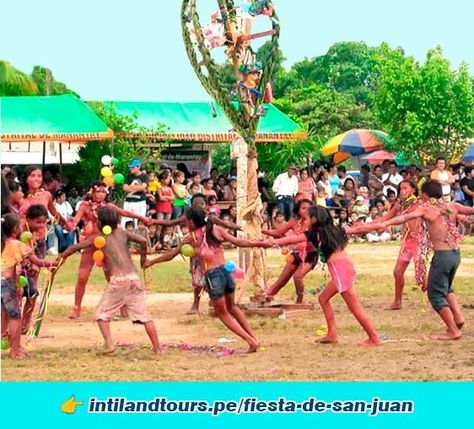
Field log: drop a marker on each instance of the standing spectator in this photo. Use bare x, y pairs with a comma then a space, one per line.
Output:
342, 173
135, 187
364, 175
323, 180
164, 199
386, 166
65, 237
73, 198
15, 197
306, 187
179, 191
230, 192
212, 206
153, 184
392, 179
264, 194
467, 185
458, 194
208, 188
219, 187
233, 214
214, 174
49, 183
376, 182
443, 176
181, 166
334, 179
285, 188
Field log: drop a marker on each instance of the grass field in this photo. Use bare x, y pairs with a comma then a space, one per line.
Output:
67, 350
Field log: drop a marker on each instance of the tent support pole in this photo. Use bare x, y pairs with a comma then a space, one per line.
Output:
61, 161
44, 153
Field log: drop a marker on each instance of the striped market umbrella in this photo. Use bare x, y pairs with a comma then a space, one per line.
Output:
356, 142
379, 156
469, 155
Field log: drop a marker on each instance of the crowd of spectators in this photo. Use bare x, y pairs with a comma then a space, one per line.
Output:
351, 196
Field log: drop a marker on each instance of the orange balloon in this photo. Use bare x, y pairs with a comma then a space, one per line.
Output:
285, 251
98, 256
99, 242
89, 229
290, 258
109, 181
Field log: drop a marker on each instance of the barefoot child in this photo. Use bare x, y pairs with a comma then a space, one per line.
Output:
124, 286
207, 239
14, 253
440, 218
330, 240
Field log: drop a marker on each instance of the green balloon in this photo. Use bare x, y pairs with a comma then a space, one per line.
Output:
5, 343
22, 281
115, 161
26, 236
119, 179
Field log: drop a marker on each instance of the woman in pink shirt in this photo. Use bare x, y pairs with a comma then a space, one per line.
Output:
306, 187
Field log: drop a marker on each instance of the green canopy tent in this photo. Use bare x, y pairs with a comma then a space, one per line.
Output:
203, 122
61, 118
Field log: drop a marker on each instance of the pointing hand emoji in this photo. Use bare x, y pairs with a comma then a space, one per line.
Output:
69, 407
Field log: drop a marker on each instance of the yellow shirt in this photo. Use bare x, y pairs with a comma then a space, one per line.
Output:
13, 254
153, 186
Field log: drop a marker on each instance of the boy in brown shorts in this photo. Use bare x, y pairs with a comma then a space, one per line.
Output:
124, 286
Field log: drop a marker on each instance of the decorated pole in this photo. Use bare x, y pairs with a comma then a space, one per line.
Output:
230, 29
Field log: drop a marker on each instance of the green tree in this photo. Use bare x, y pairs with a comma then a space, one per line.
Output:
428, 109
124, 149
40, 75
14, 82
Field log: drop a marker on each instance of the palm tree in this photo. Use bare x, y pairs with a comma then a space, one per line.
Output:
14, 82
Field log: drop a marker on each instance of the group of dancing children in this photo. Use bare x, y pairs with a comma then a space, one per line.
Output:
429, 224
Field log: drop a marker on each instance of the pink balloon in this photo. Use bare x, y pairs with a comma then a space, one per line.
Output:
239, 273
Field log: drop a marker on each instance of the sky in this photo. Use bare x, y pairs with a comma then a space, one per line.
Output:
133, 50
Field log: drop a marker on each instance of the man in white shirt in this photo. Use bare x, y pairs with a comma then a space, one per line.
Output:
443, 176
392, 179
285, 188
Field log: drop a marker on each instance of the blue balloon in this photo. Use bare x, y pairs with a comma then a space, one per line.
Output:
230, 266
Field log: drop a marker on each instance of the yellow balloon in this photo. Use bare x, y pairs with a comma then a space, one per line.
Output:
106, 172
107, 230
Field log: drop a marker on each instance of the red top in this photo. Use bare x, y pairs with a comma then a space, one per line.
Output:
164, 206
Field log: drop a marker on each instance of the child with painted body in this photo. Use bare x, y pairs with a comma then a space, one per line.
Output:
305, 256
207, 239
88, 213
331, 241
124, 286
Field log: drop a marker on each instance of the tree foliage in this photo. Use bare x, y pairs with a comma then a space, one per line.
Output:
428, 109
124, 147
13, 82
40, 77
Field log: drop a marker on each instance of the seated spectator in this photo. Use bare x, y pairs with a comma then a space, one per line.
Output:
363, 191
278, 219
212, 206
171, 239
343, 217
142, 231
153, 238
458, 194
334, 215
349, 188
375, 236
381, 209
337, 200
360, 207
